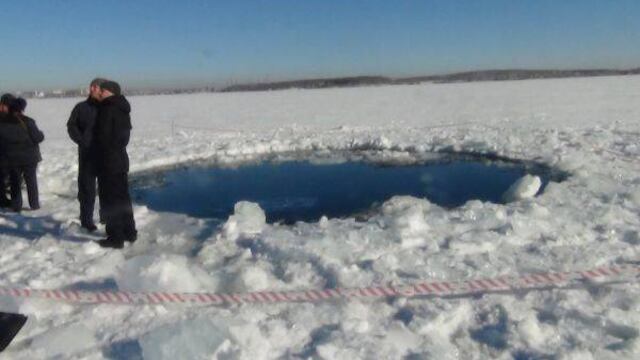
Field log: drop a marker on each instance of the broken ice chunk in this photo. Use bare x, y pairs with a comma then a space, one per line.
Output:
526, 187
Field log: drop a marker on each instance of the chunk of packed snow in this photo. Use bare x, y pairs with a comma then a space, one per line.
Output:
165, 272
66, 340
253, 278
405, 215
534, 333
190, 339
331, 351
247, 219
106, 265
524, 188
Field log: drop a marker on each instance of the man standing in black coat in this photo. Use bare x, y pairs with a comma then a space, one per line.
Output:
112, 132
5, 100
81, 128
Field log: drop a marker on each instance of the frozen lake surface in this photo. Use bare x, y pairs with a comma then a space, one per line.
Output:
587, 127
305, 191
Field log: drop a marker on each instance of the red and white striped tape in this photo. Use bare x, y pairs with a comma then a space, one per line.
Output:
620, 273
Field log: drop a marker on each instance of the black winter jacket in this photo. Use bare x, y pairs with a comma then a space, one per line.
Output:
81, 126
19, 141
112, 132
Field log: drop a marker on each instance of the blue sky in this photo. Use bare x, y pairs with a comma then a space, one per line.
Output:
59, 44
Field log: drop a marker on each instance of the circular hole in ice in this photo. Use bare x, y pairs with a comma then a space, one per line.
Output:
298, 188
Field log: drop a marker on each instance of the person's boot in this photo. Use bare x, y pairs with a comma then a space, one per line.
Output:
111, 243
131, 236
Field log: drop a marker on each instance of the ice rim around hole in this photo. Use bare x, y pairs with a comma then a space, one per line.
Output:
155, 177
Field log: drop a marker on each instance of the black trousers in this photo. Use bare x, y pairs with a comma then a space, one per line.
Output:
116, 206
16, 174
87, 181
4, 187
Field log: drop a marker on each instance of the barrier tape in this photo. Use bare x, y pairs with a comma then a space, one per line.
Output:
600, 275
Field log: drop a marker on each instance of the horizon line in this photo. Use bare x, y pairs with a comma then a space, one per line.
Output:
221, 85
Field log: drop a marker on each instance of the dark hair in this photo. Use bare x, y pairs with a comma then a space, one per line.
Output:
98, 81
6, 99
111, 86
17, 105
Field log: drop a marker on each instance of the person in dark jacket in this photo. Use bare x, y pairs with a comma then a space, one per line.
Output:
81, 128
19, 142
112, 132
5, 100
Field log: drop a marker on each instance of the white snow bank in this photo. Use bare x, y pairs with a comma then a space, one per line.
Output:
524, 188
253, 278
406, 216
190, 339
215, 337
163, 273
8, 304
105, 266
65, 340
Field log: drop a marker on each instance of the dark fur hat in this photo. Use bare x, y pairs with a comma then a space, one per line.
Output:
111, 86
17, 105
6, 99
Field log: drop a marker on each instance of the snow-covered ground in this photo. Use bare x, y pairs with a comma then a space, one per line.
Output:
589, 127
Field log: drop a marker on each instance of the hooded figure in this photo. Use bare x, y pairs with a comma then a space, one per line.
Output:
19, 144
112, 131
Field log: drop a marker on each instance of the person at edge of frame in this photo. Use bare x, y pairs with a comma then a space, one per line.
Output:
20, 141
5, 100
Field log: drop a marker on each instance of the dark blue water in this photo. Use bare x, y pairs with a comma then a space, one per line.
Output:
298, 190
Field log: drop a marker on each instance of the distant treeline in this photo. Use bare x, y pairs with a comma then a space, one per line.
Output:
502, 75
469, 76
312, 83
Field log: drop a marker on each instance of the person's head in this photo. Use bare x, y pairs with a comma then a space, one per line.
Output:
109, 88
94, 87
17, 106
5, 100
